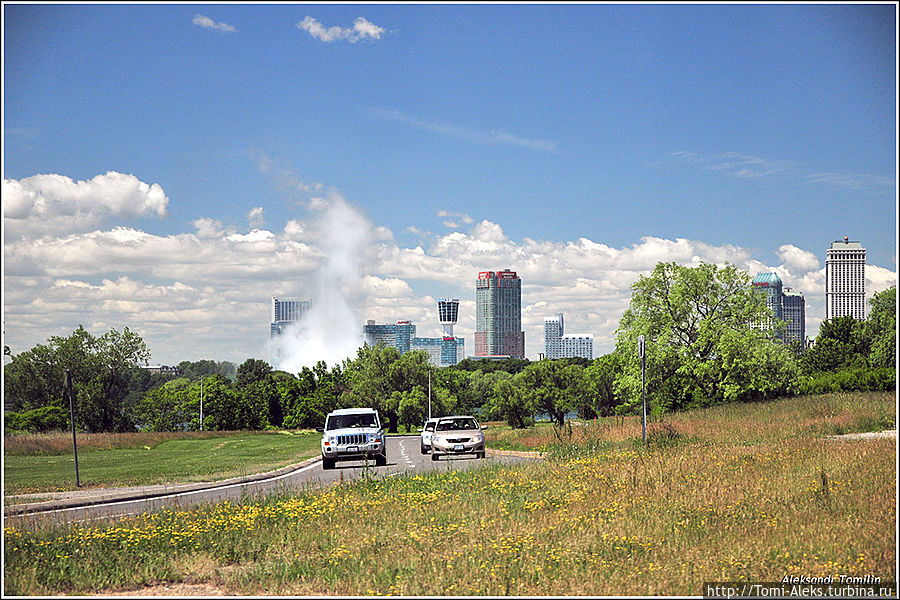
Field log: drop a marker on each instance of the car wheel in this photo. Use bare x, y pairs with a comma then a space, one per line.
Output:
481, 454
423, 449
327, 463
381, 459
434, 455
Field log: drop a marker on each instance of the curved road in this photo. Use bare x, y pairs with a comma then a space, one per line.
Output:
404, 457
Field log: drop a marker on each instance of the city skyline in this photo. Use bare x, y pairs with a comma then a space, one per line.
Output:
163, 164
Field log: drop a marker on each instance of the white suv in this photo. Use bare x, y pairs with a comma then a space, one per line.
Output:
353, 434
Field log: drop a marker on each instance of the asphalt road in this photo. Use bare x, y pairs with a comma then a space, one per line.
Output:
404, 458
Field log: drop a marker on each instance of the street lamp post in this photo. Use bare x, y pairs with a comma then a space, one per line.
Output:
642, 353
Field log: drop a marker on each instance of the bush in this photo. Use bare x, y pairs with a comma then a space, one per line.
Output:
849, 380
38, 420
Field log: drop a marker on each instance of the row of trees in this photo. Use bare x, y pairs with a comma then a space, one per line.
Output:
703, 339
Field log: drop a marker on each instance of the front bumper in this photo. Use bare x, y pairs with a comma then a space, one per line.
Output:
457, 447
352, 451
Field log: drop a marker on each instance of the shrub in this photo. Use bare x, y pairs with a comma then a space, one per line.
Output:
38, 420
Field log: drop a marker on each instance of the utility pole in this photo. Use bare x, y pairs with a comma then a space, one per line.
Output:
201, 403
429, 393
72, 419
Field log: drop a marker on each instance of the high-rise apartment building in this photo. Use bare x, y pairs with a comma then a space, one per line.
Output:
845, 280
498, 315
286, 311
559, 344
785, 305
399, 335
793, 310
770, 284
443, 351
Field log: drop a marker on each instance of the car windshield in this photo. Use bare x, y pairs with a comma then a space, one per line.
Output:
350, 421
457, 424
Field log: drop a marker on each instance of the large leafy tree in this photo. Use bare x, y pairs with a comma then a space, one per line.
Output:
703, 339
554, 387
102, 377
881, 329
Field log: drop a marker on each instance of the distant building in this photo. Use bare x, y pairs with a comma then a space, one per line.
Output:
286, 311
845, 280
793, 308
558, 344
442, 351
785, 305
770, 284
498, 315
155, 369
398, 335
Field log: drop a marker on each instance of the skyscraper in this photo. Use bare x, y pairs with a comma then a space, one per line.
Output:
399, 334
498, 314
770, 283
793, 308
845, 280
286, 311
559, 344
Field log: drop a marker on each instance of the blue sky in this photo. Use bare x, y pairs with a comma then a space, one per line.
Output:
468, 137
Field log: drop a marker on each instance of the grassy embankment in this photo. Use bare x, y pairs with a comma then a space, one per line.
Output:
742, 492
45, 462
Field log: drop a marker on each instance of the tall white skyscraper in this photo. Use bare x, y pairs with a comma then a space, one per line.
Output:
845, 280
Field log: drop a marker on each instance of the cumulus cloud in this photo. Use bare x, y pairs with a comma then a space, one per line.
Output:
206, 293
361, 30
56, 204
207, 23
797, 260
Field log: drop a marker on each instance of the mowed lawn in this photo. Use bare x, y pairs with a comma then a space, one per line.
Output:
750, 492
34, 464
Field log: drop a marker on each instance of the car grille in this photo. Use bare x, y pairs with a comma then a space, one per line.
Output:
352, 439
457, 440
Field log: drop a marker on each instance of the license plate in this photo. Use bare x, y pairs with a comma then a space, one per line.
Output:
458, 448
352, 448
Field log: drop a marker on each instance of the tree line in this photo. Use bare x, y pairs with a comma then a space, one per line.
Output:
705, 345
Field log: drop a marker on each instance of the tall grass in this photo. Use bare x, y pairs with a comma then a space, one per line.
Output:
757, 503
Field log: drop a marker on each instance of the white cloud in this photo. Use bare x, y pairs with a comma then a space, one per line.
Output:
255, 217
207, 23
361, 30
455, 220
205, 293
55, 204
466, 133
797, 260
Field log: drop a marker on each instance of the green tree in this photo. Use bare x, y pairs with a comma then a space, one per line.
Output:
881, 329
252, 370
508, 401
554, 387
601, 377
702, 338
370, 381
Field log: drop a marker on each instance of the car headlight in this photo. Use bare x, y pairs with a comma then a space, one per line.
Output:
479, 437
331, 439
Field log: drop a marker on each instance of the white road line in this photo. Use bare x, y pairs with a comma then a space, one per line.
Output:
175, 494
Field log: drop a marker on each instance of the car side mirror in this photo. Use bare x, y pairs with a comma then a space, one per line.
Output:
320, 429
421, 430
484, 426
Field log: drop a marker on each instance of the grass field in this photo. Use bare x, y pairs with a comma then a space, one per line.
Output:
46, 463
744, 492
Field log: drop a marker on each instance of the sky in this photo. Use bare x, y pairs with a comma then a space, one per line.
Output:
171, 167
